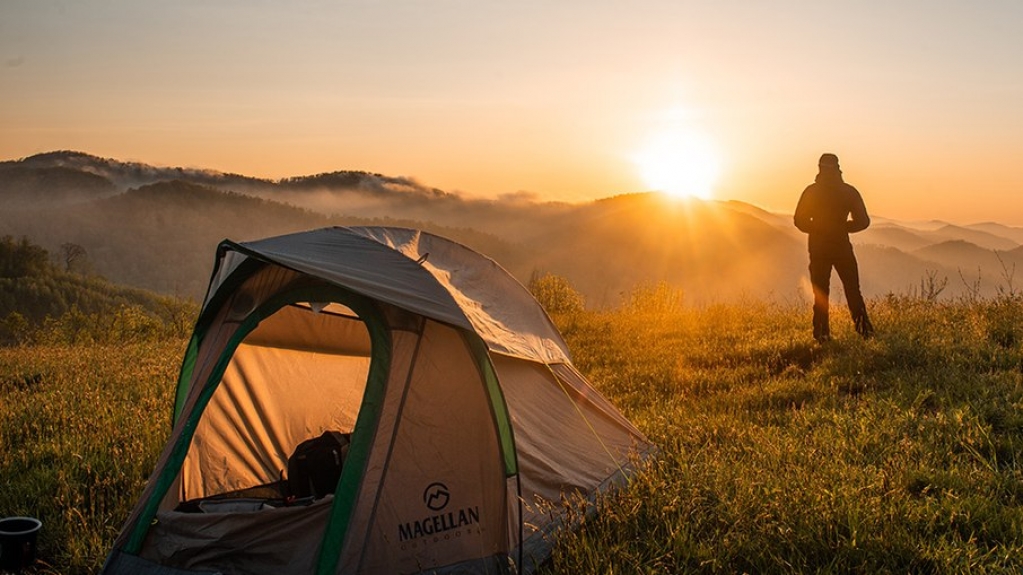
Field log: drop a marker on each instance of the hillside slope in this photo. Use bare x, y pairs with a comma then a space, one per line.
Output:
33, 290
157, 228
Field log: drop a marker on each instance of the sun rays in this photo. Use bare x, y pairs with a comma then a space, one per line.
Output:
678, 159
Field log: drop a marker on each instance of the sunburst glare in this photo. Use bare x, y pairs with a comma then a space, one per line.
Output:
679, 161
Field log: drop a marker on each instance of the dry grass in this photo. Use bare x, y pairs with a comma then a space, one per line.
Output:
893, 455
899, 454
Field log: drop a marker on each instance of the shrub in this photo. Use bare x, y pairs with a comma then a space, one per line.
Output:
659, 298
555, 294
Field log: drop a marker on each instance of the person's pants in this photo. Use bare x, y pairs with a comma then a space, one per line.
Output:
842, 259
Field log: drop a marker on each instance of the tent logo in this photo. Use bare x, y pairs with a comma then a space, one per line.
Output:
441, 525
436, 496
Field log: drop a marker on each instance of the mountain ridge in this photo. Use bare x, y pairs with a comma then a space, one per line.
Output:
157, 228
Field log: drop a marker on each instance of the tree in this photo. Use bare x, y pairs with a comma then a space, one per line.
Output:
21, 258
14, 328
72, 253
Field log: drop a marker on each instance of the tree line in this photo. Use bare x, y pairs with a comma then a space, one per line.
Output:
41, 301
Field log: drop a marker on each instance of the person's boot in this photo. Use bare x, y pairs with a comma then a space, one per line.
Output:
821, 329
864, 327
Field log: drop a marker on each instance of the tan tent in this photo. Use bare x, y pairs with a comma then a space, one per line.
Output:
463, 413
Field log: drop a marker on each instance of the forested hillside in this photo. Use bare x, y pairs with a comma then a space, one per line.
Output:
157, 228
39, 299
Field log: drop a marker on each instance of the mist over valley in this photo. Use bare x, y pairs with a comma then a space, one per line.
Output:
157, 228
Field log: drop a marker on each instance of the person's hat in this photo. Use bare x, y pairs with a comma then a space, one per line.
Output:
828, 160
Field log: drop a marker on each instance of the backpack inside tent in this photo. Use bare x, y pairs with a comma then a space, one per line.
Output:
371, 400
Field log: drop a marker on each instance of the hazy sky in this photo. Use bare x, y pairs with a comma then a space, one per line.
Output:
922, 100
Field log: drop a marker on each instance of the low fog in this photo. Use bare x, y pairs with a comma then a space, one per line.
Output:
157, 228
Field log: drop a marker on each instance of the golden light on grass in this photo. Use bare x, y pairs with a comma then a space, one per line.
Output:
831, 460
679, 161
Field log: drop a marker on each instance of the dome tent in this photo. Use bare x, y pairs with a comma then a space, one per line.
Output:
464, 414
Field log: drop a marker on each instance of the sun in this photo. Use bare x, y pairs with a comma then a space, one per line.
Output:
679, 162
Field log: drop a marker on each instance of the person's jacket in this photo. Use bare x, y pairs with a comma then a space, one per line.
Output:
829, 210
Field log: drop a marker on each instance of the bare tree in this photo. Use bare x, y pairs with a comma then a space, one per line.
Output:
72, 253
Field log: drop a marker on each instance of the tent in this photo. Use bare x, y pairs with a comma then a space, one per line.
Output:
465, 421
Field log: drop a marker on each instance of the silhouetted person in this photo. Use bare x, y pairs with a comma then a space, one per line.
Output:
828, 211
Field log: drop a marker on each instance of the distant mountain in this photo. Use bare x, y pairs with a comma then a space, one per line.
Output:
975, 267
347, 193
980, 238
958, 253
123, 175
782, 221
1008, 232
157, 228
890, 270
707, 248
152, 237
25, 186
905, 238
162, 236
894, 236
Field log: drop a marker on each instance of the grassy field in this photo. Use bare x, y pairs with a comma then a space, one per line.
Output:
81, 426
899, 454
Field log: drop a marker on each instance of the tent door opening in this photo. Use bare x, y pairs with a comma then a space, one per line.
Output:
295, 368
298, 378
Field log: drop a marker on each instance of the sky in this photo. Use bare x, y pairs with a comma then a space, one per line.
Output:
558, 101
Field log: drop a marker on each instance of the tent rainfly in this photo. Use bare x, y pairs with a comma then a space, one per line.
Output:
450, 420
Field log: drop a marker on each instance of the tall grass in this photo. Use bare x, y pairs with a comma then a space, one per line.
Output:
80, 429
903, 453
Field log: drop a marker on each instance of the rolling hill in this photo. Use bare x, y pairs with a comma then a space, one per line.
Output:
157, 228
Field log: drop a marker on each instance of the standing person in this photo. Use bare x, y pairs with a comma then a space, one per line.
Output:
828, 211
